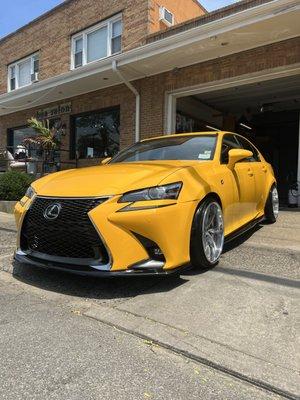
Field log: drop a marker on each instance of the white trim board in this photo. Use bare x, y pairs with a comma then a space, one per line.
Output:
171, 97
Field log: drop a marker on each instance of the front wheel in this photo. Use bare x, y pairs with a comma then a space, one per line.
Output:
272, 206
207, 237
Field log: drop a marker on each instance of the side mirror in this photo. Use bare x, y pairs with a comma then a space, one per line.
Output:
236, 155
105, 160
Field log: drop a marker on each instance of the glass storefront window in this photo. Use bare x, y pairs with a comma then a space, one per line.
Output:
16, 136
15, 142
97, 134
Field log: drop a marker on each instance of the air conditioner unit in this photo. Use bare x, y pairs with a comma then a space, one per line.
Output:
35, 77
166, 16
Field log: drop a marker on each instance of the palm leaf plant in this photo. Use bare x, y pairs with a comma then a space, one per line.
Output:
46, 141
45, 138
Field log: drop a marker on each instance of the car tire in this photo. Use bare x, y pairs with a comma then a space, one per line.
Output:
272, 206
207, 235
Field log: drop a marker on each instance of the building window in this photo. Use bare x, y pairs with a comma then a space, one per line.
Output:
78, 52
116, 37
97, 42
15, 137
23, 73
96, 134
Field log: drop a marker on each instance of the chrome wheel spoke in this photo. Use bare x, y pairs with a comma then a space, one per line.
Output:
275, 202
207, 251
210, 220
213, 232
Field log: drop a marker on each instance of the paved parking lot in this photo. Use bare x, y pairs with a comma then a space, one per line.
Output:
226, 333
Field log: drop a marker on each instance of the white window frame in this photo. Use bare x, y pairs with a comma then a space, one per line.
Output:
16, 66
162, 18
84, 34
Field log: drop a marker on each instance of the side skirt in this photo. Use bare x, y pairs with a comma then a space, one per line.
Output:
245, 228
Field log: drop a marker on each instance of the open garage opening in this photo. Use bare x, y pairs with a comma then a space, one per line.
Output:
266, 112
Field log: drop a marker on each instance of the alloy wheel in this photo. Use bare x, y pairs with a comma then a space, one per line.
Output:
213, 232
275, 202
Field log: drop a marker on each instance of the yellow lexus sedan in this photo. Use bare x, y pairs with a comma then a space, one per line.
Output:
157, 207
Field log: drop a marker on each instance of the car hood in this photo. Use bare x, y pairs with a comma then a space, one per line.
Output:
111, 179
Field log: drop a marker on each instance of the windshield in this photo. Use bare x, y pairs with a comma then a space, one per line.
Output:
200, 148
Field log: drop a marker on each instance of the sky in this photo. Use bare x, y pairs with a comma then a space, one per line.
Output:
16, 13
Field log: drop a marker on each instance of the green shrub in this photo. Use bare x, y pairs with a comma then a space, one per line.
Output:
13, 185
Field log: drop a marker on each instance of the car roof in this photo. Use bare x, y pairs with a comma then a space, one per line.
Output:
210, 133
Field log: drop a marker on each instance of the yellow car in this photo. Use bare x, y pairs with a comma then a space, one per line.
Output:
158, 206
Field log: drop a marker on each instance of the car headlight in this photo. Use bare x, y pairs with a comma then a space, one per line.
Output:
30, 192
165, 192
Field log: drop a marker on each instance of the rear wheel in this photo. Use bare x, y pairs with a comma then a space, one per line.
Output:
207, 237
272, 206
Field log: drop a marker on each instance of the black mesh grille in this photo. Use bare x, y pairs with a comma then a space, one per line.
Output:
71, 234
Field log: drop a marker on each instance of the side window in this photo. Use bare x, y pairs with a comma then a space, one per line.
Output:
229, 142
245, 144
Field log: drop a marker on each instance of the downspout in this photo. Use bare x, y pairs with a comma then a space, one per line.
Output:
137, 99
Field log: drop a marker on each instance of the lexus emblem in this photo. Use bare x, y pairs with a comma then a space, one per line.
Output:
52, 211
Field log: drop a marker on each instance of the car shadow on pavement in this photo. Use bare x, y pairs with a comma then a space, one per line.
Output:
242, 238
114, 289
260, 277
227, 247
94, 288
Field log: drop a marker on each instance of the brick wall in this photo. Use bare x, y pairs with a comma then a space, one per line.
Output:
51, 34
115, 96
183, 10
153, 90
206, 18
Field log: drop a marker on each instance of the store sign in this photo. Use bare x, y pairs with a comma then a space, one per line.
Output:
55, 111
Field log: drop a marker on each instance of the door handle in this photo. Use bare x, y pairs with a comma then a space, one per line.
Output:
250, 172
264, 169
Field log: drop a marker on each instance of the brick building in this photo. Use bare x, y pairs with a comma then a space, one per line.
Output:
112, 72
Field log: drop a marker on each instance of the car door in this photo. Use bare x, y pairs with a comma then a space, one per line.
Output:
243, 182
260, 172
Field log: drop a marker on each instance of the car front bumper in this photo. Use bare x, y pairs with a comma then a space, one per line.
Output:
168, 225
84, 270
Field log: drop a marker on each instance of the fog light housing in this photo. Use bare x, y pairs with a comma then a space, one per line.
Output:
152, 248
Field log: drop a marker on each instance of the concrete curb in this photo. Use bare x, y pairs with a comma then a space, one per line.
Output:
284, 248
6, 263
240, 365
7, 206
7, 222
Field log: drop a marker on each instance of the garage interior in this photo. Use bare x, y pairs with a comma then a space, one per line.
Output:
267, 113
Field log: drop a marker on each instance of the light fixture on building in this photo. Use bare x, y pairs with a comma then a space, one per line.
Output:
268, 107
245, 126
212, 128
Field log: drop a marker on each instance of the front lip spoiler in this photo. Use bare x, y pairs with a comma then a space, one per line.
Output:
89, 271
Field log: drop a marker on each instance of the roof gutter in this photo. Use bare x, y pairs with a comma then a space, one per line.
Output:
137, 99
